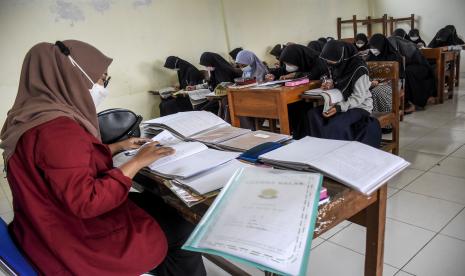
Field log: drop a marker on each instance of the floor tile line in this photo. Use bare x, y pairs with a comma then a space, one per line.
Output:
435, 235
451, 201
423, 228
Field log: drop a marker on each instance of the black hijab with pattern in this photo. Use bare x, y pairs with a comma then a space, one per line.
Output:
349, 65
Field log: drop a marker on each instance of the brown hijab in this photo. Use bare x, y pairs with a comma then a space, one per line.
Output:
50, 86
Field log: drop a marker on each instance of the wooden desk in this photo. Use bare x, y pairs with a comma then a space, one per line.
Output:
266, 103
441, 58
345, 204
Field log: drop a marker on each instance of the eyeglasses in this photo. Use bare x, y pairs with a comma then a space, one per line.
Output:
106, 81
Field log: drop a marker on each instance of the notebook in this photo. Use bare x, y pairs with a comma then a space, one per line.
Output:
252, 139
189, 158
331, 96
354, 164
197, 125
264, 218
213, 179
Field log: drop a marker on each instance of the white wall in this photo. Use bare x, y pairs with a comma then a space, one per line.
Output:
431, 14
137, 34
257, 25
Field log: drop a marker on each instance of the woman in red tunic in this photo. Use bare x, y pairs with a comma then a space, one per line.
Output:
72, 214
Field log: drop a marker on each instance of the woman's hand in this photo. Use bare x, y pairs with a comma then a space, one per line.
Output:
269, 77
144, 157
288, 76
327, 85
331, 112
374, 83
128, 144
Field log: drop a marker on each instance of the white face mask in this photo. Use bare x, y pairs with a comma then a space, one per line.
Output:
247, 68
291, 68
98, 93
375, 52
414, 38
359, 44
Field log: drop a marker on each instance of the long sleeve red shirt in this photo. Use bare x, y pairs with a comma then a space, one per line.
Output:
72, 214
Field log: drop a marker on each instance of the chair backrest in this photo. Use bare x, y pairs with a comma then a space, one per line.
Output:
12, 262
388, 70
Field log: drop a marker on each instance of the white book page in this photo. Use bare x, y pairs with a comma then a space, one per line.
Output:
359, 166
266, 218
190, 122
200, 94
215, 178
304, 150
182, 150
196, 163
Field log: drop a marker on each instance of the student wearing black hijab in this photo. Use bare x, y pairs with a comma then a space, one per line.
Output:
278, 69
219, 69
400, 33
361, 42
234, 52
382, 50
301, 61
349, 119
316, 45
188, 75
420, 83
446, 36
414, 36
323, 40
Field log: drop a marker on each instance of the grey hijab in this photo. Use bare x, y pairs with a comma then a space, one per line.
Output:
258, 69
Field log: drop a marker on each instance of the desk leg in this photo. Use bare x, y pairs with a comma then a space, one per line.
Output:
283, 116
457, 70
375, 224
441, 81
451, 84
234, 118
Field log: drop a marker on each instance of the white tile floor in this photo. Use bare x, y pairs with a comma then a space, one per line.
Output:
425, 228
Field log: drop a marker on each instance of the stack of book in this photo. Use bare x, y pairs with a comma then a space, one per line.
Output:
209, 129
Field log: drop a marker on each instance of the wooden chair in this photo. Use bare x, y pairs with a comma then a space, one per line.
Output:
388, 70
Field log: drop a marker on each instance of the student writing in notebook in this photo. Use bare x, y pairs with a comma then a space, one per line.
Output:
414, 36
219, 69
446, 36
301, 61
73, 213
188, 76
349, 119
251, 66
361, 42
278, 69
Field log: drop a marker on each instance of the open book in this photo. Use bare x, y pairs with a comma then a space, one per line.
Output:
354, 164
264, 218
200, 126
213, 179
189, 158
331, 96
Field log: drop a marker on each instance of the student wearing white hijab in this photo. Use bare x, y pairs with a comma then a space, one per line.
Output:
251, 65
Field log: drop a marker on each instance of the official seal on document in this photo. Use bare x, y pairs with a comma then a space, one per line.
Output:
268, 194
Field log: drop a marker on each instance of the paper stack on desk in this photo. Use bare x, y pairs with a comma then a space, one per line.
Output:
210, 129
354, 164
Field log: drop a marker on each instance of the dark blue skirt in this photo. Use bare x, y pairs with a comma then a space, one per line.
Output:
353, 125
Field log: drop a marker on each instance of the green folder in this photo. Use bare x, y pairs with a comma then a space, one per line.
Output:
262, 204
